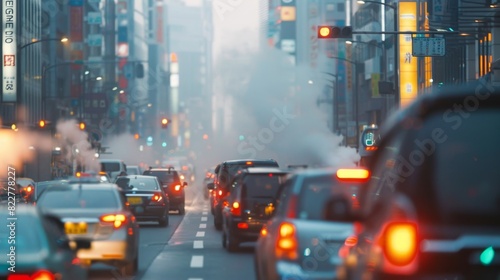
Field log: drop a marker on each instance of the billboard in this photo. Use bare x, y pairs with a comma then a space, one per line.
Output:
407, 63
9, 52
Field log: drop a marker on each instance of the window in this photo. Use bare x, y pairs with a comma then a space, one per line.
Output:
78, 198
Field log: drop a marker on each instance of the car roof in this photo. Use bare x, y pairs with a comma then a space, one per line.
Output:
443, 99
242, 161
148, 177
84, 185
261, 170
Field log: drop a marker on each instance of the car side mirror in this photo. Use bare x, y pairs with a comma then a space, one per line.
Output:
338, 209
185, 184
210, 186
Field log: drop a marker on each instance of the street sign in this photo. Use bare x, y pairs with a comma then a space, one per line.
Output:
425, 46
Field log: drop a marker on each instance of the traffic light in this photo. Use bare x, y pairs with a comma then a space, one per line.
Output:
164, 123
82, 125
41, 123
331, 32
136, 136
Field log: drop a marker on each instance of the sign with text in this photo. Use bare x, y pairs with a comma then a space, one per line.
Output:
424, 46
9, 52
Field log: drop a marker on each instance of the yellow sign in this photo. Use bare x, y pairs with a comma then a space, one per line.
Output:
407, 63
287, 13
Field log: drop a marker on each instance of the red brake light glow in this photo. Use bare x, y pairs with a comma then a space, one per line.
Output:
177, 188
39, 275
400, 243
292, 206
242, 225
286, 244
156, 197
353, 174
236, 209
117, 219
249, 163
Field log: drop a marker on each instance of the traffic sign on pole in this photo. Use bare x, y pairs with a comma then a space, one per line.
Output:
425, 46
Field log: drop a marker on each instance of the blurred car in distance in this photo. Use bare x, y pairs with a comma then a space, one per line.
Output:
134, 170
28, 187
172, 185
96, 212
224, 174
209, 178
113, 167
250, 204
301, 241
42, 250
146, 198
431, 208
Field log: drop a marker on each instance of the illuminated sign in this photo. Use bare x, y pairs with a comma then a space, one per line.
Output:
407, 63
287, 13
9, 52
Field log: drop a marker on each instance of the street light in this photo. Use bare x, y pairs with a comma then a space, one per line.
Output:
20, 63
396, 43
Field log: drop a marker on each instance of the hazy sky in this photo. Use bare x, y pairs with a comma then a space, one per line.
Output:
236, 24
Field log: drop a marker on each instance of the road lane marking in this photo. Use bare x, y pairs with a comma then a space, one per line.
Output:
204, 219
198, 244
205, 213
195, 278
196, 261
203, 225
200, 234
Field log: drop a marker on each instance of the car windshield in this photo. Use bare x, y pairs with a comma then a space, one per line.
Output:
133, 170
462, 187
140, 184
78, 198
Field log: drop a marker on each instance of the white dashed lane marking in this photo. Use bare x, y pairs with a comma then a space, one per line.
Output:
204, 219
197, 261
198, 244
203, 225
200, 234
205, 213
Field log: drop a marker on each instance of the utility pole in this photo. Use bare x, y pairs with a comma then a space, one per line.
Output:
109, 45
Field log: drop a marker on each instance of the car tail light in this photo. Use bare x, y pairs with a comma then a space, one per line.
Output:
242, 225
236, 209
292, 207
29, 189
157, 199
177, 188
118, 220
351, 241
220, 193
353, 174
263, 231
182, 177
286, 244
400, 242
39, 275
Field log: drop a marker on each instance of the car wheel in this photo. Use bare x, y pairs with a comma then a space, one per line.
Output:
130, 269
217, 222
163, 221
231, 243
182, 209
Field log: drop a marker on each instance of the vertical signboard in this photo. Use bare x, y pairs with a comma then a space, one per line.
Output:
407, 63
9, 51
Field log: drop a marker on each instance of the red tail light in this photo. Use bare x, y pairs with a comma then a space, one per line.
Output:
242, 225
236, 209
292, 207
39, 275
157, 199
177, 188
29, 189
351, 241
220, 193
118, 220
286, 243
400, 243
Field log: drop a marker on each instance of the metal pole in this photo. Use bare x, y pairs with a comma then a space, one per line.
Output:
356, 88
396, 59
336, 103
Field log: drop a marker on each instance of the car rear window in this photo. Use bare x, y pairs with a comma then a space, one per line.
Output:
78, 198
110, 166
460, 171
230, 170
164, 177
314, 194
140, 184
261, 185
28, 238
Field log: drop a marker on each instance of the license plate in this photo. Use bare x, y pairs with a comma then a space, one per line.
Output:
134, 200
75, 228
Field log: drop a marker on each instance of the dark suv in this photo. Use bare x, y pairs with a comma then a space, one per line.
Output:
432, 207
224, 175
171, 183
250, 203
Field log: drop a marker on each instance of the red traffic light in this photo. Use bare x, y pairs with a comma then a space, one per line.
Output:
324, 32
